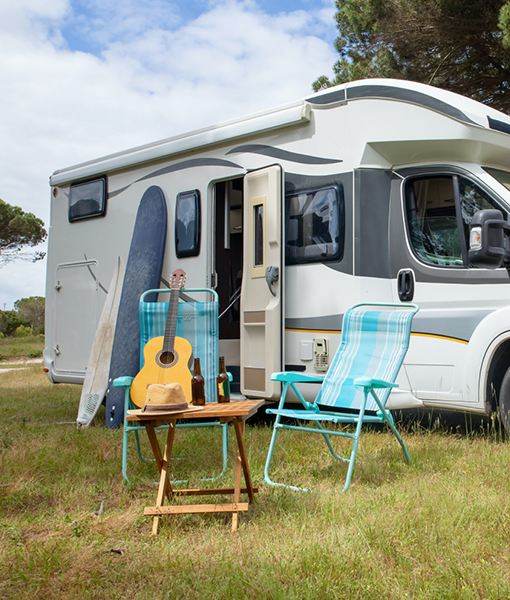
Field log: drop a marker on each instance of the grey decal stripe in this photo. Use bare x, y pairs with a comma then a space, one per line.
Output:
330, 98
406, 95
296, 157
185, 164
392, 93
498, 125
94, 276
458, 325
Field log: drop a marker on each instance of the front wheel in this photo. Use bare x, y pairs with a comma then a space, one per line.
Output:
503, 407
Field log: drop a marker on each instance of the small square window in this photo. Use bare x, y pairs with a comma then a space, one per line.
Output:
314, 226
87, 199
187, 224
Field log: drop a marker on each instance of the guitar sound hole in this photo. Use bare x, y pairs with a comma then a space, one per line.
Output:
166, 358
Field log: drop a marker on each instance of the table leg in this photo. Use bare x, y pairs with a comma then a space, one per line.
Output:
163, 480
239, 429
237, 483
156, 450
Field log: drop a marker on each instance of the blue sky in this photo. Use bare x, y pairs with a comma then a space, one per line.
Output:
83, 78
88, 28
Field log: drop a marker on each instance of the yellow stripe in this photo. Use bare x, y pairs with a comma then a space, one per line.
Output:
298, 330
437, 336
448, 338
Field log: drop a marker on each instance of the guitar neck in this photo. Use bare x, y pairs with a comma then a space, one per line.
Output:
171, 322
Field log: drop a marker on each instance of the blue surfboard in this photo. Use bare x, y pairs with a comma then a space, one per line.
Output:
143, 272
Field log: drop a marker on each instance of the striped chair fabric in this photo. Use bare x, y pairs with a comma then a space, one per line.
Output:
197, 321
374, 342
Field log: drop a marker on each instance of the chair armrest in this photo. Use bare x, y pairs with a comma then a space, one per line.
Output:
296, 377
366, 382
122, 381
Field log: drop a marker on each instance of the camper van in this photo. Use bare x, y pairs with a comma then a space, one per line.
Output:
363, 192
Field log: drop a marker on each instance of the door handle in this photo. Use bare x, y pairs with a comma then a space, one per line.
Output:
272, 277
405, 285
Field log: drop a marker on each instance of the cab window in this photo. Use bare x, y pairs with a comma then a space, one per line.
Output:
439, 210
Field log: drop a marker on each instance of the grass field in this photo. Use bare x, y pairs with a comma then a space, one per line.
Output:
439, 528
22, 347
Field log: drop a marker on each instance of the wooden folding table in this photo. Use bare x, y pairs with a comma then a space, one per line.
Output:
229, 412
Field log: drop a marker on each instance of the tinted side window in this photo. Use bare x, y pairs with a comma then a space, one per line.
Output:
87, 199
432, 221
314, 226
187, 224
472, 199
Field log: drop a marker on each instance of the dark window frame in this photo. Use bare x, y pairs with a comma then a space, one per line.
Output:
454, 176
195, 251
339, 193
258, 235
94, 215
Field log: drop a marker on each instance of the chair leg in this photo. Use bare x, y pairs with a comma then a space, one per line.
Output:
125, 433
224, 459
139, 448
391, 424
332, 451
269, 457
355, 442
224, 448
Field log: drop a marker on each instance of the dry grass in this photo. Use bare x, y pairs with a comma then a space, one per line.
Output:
13, 347
437, 529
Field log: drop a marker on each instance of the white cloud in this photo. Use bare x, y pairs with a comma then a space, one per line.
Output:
152, 78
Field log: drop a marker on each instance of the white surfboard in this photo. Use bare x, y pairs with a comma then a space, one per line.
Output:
98, 366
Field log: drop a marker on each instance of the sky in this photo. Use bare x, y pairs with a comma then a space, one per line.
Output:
84, 78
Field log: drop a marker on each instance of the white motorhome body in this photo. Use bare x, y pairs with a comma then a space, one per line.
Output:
362, 192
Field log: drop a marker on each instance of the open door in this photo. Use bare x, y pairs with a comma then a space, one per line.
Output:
262, 285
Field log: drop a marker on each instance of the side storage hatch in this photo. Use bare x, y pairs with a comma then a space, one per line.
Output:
76, 315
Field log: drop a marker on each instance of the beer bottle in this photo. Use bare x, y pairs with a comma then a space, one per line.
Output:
223, 383
197, 385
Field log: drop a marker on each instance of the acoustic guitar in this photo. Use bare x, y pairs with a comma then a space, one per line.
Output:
166, 359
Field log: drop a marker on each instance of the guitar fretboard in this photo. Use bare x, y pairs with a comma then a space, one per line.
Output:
171, 322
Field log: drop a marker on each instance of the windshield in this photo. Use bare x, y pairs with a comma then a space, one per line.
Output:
502, 176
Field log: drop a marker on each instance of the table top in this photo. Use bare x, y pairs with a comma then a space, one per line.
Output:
225, 411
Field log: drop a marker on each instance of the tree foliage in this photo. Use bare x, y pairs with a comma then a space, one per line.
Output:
19, 229
9, 322
31, 312
459, 45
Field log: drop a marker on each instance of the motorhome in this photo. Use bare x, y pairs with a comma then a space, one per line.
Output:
360, 192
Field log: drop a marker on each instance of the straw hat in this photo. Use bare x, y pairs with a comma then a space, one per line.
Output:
165, 397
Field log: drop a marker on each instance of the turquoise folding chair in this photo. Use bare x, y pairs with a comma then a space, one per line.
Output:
375, 339
197, 321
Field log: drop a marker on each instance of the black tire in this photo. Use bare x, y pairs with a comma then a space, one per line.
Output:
503, 408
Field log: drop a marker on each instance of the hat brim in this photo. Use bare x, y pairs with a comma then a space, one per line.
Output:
175, 407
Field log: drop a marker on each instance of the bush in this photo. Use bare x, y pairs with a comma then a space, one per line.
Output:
9, 321
23, 331
2, 335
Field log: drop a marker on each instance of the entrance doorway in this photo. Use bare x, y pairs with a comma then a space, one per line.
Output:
228, 254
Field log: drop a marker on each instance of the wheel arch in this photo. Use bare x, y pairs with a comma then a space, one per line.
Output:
499, 363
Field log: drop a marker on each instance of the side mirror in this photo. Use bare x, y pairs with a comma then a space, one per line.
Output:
488, 239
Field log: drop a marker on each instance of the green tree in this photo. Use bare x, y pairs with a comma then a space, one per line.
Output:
19, 229
31, 311
459, 45
9, 321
